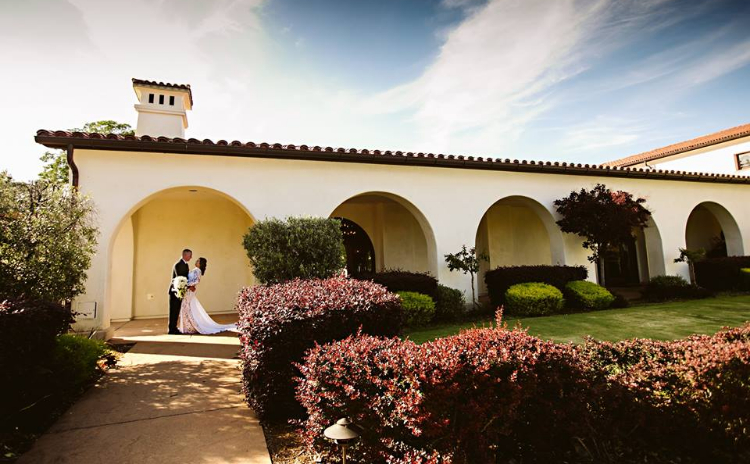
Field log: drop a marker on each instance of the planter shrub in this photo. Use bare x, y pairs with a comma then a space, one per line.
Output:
450, 304
278, 323
672, 287
495, 395
534, 299
418, 309
396, 280
77, 360
500, 279
583, 294
297, 247
720, 274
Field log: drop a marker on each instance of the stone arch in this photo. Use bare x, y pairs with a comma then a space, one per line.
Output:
149, 238
518, 230
401, 235
709, 223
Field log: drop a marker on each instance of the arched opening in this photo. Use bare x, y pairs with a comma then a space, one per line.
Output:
360, 253
151, 238
400, 236
711, 227
517, 231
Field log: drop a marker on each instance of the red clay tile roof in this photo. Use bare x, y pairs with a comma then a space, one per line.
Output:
682, 147
165, 85
145, 143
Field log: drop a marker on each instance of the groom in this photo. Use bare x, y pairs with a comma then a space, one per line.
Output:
180, 268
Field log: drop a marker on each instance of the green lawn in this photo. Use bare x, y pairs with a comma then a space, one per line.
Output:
663, 321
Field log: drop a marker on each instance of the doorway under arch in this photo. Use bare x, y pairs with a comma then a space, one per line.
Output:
360, 252
711, 227
400, 235
516, 231
151, 237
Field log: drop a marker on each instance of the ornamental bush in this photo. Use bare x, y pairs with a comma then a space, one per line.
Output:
718, 274
397, 280
583, 294
77, 359
295, 248
48, 235
533, 299
497, 395
450, 304
500, 279
278, 323
672, 287
418, 309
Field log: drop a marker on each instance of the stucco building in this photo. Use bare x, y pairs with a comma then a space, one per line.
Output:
157, 192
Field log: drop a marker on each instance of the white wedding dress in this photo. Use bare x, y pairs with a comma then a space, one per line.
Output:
195, 319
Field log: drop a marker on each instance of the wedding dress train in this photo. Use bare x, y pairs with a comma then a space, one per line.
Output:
195, 319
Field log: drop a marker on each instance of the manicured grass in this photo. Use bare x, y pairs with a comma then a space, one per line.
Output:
663, 321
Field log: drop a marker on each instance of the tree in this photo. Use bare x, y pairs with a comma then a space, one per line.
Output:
691, 257
466, 261
603, 218
55, 168
47, 238
297, 247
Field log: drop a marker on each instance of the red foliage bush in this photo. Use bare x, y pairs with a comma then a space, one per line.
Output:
495, 395
278, 323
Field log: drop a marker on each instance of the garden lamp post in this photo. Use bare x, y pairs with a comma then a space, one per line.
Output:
343, 434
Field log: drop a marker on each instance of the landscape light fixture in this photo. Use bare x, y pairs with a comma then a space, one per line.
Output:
342, 433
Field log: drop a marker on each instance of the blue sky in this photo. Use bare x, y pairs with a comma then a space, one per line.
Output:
577, 80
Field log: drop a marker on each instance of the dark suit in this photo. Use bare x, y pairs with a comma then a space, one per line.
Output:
180, 268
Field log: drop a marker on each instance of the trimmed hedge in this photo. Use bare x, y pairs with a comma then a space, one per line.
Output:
396, 280
494, 395
450, 304
278, 323
295, 248
719, 274
419, 309
672, 287
533, 299
583, 294
745, 275
500, 279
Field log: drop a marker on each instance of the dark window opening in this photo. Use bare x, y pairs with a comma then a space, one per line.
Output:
151, 98
171, 100
161, 99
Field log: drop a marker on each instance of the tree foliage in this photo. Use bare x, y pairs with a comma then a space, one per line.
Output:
47, 238
467, 261
297, 247
55, 167
602, 217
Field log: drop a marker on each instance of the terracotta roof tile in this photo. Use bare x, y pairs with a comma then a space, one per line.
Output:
682, 147
61, 139
165, 85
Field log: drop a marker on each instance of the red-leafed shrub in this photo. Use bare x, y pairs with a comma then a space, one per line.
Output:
278, 323
496, 395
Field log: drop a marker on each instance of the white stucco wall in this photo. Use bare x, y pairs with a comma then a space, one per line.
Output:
718, 159
120, 182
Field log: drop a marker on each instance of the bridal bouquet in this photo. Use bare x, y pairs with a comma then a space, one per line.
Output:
180, 286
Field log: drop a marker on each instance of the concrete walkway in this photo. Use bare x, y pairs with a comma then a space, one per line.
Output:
174, 399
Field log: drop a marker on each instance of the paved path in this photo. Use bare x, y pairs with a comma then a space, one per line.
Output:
174, 399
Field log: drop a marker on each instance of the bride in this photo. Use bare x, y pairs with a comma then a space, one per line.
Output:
193, 318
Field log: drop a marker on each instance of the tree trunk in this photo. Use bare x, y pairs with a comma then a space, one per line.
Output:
691, 269
473, 298
600, 267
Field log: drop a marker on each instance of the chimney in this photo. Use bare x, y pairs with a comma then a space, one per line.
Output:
162, 108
